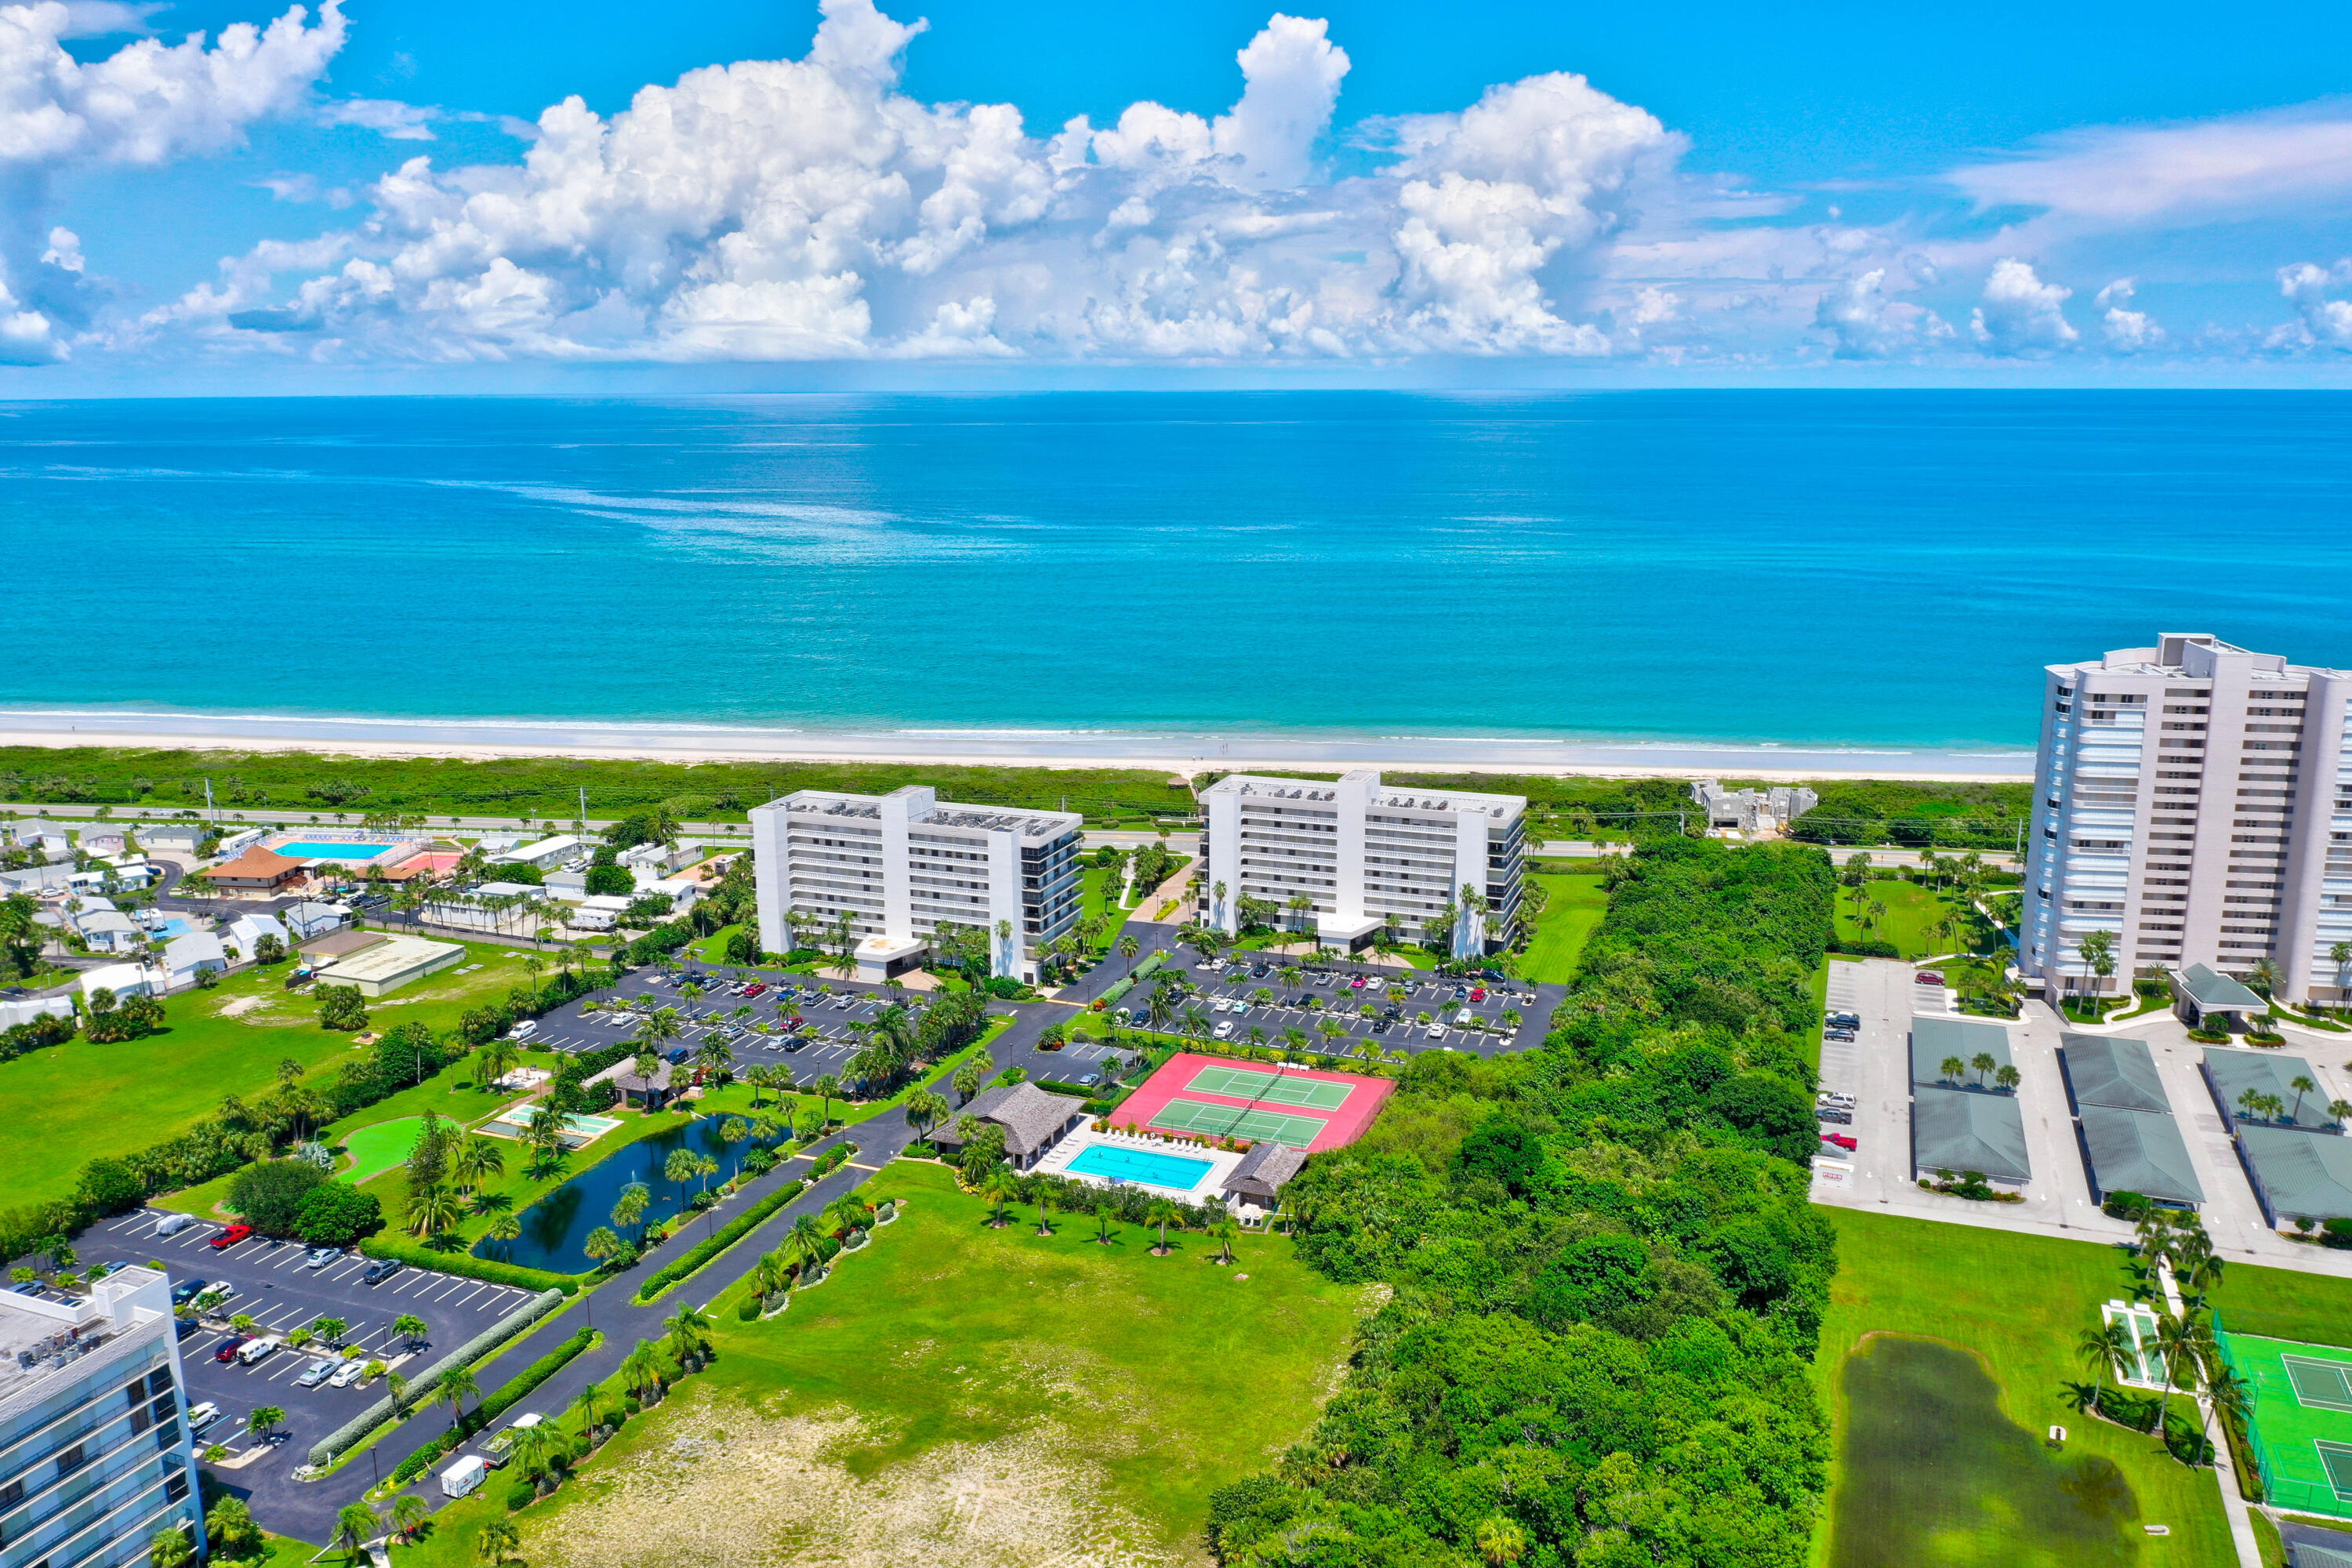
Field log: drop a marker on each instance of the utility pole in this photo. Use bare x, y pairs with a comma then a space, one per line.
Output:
210, 814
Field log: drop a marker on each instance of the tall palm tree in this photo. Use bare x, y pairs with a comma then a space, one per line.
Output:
828, 1088
504, 1228
1982, 1063
1224, 1230
640, 1369
1951, 1068
925, 1109
680, 1167
999, 1187
409, 1513
629, 1208
803, 1246
432, 1211
689, 1330
355, 1526
602, 1246
2104, 1350
455, 1386
476, 1160
2302, 1084
1162, 1213
2177, 1341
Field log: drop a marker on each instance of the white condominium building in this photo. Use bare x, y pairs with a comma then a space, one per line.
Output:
2194, 800
1362, 853
901, 865
95, 1455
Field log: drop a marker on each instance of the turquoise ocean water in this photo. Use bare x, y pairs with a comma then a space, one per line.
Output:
1877, 569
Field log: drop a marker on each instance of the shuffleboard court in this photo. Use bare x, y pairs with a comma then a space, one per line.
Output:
1235, 1121
1241, 1083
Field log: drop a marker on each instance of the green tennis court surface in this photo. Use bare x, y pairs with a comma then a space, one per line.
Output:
380, 1147
1243, 1084
2302, 1419
1233, 1121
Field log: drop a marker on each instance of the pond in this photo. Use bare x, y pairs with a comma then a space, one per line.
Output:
554, 1227
1937, 1477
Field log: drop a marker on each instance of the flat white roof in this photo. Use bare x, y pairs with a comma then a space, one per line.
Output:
383, 959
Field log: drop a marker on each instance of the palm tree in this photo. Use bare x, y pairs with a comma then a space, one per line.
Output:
680, 1167
1102, 1223
689, 1332
498, 1544
476, 1160
640, 1370
999, 1187
1163, 1213
2177, 1341
803, 1246
1952, 1067
411, 1328
409, 1513
528, 1447
771, 1274
827, 1087
629, 1208
504, 1229
1224, 1230
170, 1548
1500, 1542
432, 1211
456, 1386
968, 1078
2339, 1109
1129, 947
2106, 1349
355, 1526
2302, 1084
925, 1109
2009, 1078
602, 1245
1982, 1063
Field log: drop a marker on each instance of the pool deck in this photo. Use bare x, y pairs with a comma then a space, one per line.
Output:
1220, 1163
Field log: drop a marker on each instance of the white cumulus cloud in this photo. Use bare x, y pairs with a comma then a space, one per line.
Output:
2124, 330
809, 208
2325, 319
1867, 324
2020, 314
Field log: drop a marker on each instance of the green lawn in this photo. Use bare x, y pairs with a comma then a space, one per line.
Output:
1909, 923
2017, 1303
1574, 909
996, 1395
71, 1103
2284, 1305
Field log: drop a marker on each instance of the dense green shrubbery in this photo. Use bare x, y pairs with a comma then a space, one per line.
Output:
731, 1233
1885, 811
1608, 1281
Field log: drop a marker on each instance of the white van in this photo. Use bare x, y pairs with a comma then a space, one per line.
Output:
464, 1477
523, 1030
173, 1224
254, 1350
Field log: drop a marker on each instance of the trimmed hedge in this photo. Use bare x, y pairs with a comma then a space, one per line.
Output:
512, 1393
323, 1452
728, 1235
411, 1251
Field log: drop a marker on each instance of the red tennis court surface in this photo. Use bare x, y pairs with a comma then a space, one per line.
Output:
1256, 1101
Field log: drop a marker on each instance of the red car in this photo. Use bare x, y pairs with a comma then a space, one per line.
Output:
1479, 994
231, 1236
229, 1347
754, 991
1840, 1140
1929, 977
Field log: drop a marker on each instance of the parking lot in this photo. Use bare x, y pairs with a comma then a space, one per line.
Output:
1250, 993
271, 1282
815, 1023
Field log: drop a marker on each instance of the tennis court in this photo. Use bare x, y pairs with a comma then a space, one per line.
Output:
1238, 1122
1240, 1083
2302, 1421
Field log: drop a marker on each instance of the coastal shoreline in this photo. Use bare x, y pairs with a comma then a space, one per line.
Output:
1186, 753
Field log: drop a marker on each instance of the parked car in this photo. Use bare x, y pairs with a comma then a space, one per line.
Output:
1477, 993
523, 1030
1224, 1031
1384, 1026
1832, 1114
1434, 1032
317, 1373
350, 1373
261, 1349
677, 1057
187, 1290
1842, 1036
755, 990
173, 1224
230, 1237
201, 1417
382, 1268
1841, 1140
319, 1256
226, 1350
1929, 977
1222, 1004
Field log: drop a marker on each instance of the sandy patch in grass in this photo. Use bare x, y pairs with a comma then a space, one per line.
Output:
239, 1006
745, 1490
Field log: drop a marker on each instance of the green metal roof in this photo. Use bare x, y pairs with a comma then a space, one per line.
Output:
2301, 1172
2233, 1072
1935, 1038
2213, 991
1965, 1129
2140, 1152
2116, 1070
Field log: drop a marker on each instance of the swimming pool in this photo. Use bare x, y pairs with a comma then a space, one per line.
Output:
578, 1130
330, 850
1155, 1170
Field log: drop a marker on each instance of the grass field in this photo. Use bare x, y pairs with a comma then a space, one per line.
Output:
999, 1397
2016, 1303
71, 1103
1912, 912
1576, 906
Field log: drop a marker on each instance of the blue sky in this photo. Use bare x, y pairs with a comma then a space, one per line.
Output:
429, 194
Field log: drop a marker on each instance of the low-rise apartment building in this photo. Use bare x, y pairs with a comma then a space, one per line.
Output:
1358, 855
95, 1453
898, 867
2194, 800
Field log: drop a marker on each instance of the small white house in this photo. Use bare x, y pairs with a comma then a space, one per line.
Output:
186, 957
34, 830
545, 854
497, 844
179, 838
108, 930
511, 890
308, 919
25, 1009
233, 844
38, 880
122, 979
570, 886
602, 913
681, 891
245, 933
660, 859
132, 871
